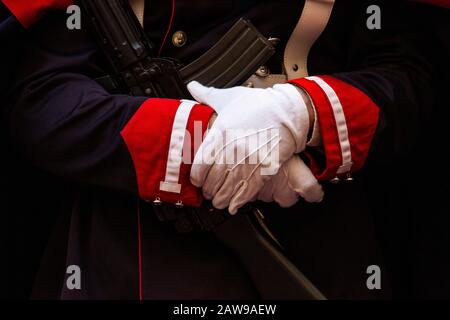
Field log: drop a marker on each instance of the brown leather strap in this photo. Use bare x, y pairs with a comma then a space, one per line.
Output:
138, 7
313, 20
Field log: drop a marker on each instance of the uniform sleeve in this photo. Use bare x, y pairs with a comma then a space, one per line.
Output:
374, 111
68, 125
11, 32
15, 17
8, 22
63, 122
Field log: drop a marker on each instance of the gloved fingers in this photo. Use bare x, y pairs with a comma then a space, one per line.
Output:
222, 198
281, 192
203, 160
273, 185
215, 179
285, 197
232, 183
266, 193
242, 196
215, 98
199, 92
302, 180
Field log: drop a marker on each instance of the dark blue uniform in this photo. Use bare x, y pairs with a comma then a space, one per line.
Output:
10, 33
69, 127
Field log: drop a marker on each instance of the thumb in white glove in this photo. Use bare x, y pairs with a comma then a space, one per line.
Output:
215, 98
294, 181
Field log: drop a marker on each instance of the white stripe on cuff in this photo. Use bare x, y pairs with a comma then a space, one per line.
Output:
341, 124
171, 181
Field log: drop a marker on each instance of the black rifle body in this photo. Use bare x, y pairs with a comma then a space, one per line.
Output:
230, 62
137, 72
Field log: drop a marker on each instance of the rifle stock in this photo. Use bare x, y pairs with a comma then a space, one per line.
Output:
274, 275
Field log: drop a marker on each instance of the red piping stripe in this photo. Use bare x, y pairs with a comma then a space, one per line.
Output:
168, 28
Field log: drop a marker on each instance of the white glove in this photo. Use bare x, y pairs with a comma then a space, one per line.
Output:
256, 131
294, 180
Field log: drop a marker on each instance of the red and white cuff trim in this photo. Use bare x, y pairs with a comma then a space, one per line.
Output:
348, 119
28, 12
170, 183
156, 137
341, 124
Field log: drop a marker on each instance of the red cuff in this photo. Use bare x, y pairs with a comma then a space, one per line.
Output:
348, 120
28, 12
155, 141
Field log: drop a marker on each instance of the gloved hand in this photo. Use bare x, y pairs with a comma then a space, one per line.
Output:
294, 180
255, 132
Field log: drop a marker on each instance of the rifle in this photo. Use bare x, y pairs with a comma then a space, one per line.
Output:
135, 71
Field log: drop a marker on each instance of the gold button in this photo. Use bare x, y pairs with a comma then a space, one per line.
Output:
263, 72
179, 38
249, 85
